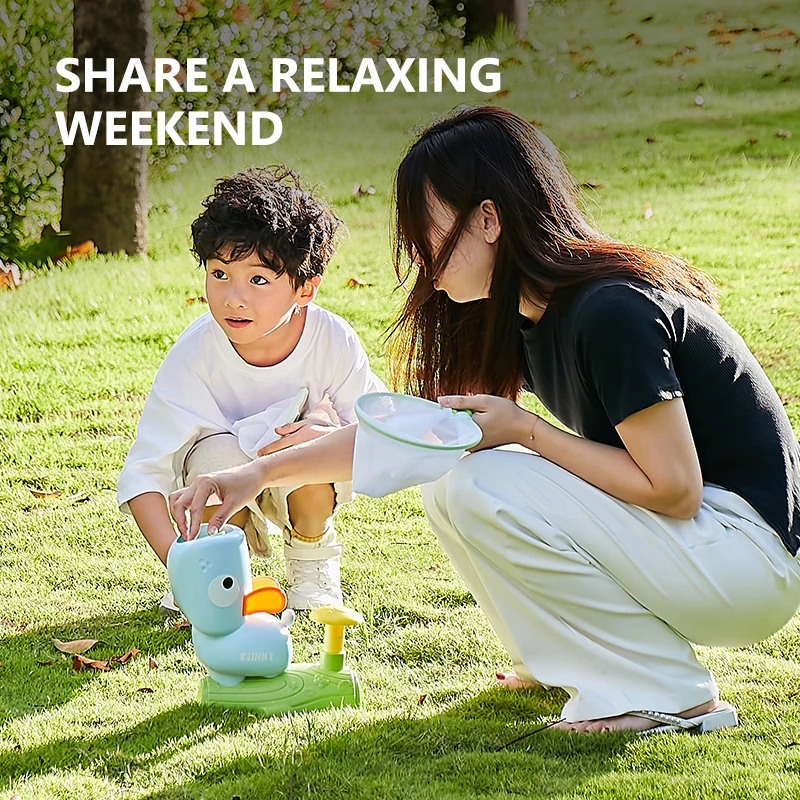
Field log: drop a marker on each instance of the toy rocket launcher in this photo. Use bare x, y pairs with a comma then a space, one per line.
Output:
240, 631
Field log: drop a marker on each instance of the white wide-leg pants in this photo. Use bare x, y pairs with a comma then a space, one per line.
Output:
600, 597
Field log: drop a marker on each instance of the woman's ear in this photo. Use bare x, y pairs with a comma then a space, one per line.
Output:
489, 220
308, 291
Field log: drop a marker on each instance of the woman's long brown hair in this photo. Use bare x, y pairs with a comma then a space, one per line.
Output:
546, 250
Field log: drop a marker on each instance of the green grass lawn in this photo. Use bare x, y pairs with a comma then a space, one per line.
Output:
79, 348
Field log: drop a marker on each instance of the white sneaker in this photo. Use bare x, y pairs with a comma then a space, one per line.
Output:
312, 572
168, 605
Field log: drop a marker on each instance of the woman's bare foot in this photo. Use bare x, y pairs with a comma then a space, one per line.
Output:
510, 680
627, 722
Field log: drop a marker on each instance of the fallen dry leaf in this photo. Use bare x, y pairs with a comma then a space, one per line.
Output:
184, 623
725, 36
422, 699
637, 40
152, 664
145, 690
433, 568
199, 299
752, 140
648, 211
11, 277
127, 656
356, 283
82, 250
670, 59
786, 33
54, 495
591, 185
13, 271
502, 93
76, 646
80, 663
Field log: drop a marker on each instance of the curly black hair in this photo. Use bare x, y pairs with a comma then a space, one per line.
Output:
265, 210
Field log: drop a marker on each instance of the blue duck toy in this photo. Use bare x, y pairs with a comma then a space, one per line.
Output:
235, 628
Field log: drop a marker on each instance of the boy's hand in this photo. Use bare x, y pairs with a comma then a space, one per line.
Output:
303, 430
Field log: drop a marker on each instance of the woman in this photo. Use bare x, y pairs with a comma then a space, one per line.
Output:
674, 513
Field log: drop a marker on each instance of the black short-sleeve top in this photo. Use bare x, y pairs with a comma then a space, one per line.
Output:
618, 346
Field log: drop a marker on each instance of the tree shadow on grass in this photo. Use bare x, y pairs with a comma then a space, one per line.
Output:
35, 676
473, 749
118, 755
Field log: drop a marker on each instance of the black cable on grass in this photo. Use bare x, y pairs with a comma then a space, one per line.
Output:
529, 733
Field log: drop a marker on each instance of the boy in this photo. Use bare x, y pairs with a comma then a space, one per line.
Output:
238, 377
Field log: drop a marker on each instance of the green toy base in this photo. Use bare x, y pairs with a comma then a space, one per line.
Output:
303, 687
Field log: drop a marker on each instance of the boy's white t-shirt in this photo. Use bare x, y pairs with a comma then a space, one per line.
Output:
204, 386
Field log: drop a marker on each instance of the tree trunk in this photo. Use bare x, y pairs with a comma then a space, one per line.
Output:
482, 17
105, 186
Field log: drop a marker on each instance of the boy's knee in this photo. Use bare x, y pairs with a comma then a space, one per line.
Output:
320, 496
310, 508
211, 454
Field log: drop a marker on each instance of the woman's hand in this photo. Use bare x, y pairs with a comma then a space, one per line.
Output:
501, 420
293, 433
234, 488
